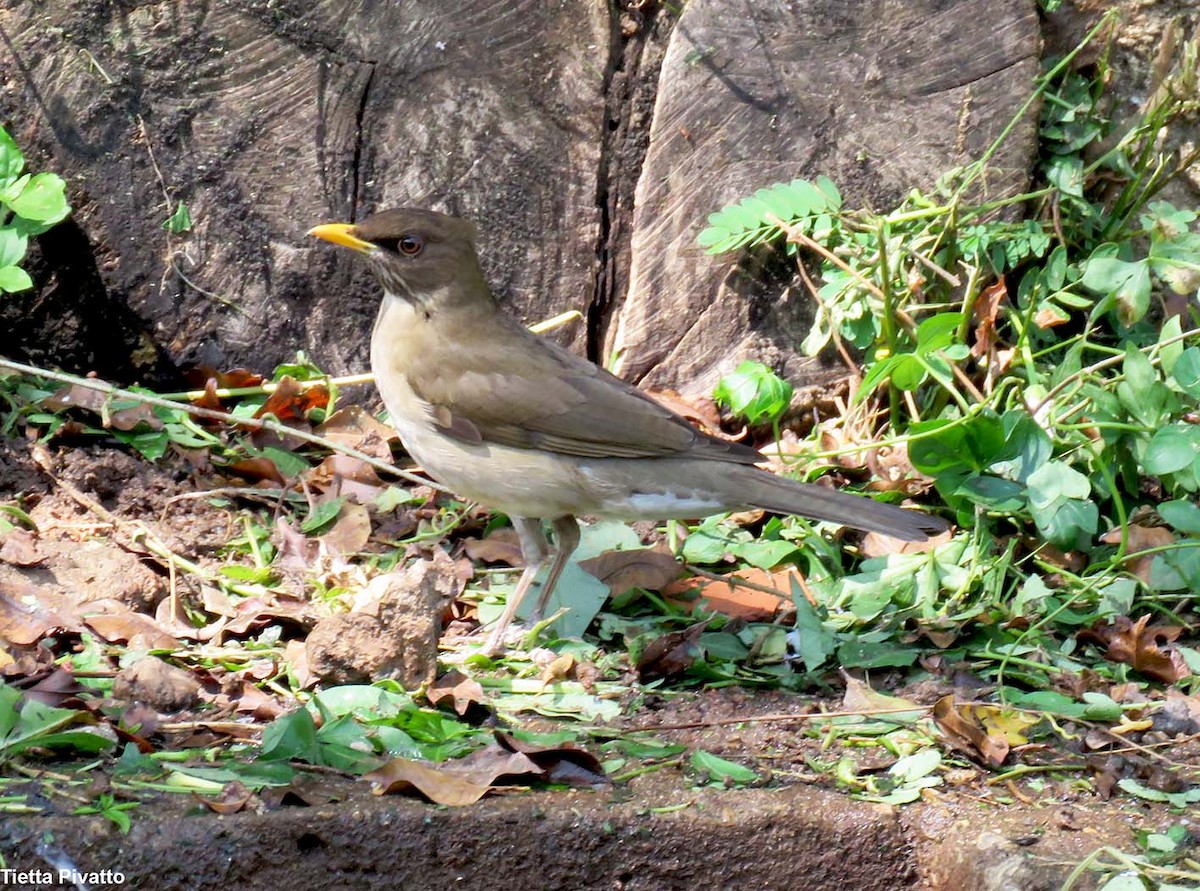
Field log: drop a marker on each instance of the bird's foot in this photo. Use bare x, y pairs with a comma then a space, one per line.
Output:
503, 639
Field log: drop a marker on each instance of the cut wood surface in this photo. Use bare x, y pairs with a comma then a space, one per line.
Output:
532, 118
879, 96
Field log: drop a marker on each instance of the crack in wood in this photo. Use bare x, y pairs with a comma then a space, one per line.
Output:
356, 159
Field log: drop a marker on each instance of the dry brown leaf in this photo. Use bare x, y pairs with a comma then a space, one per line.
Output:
1140, 645
115, 622
351, 530
559, 764
461, 690
442, 784
501, 546
1140, 538
963, 732
1050, 317
351, 478
560, 668
202, 376
700, 410
27, 614
253, 613
987, 309
291, 403
234, 797
861, 697
649, 568
355, 427
672, 654
256, 470
19, 548
296, 551
876, 544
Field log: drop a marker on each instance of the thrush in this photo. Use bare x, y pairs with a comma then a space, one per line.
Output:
515, 422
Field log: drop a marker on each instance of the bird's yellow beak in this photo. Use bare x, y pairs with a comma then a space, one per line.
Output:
343, 234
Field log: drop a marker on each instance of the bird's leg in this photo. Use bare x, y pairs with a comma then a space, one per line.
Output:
566, 540
535, 549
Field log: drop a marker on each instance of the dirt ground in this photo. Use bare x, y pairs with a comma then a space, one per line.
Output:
91, 503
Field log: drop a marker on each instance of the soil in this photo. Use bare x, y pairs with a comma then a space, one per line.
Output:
658, 830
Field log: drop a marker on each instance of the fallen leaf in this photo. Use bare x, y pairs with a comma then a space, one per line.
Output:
256, 470
234, 797
560, 668
202, 375
987, 310
27, 614
115, 622
355, 427
672, 654
701, 410
1140, 538
461, 690
501, 546
623, 570
962, 732
1140, 645
19, 548
876, 544
347, 477
1050, 316
290, 403
351, 530
441, 783
862, 697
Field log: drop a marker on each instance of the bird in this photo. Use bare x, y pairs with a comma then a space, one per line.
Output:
513, 421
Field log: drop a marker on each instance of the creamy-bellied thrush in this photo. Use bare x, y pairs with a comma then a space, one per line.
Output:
512, 420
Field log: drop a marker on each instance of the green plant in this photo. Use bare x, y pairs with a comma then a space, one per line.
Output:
1042, 371
29, 205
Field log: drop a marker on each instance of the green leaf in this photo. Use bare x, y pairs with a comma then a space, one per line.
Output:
754, 392
43, 199
908, 372
12, 162
919, 764
719, 770
765, 553
180, 221
322, 515
14, 279
1171, 448
13, 246
291, 737
1187, 371
856, 652
1099, 707
1065, 173
813, 642
1183, 514
1128, 282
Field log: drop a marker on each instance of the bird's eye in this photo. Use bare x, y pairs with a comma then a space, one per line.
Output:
410, 245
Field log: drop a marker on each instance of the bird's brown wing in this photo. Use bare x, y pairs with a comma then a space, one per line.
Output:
533, 394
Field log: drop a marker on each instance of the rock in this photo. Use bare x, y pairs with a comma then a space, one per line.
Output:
158, 684
392, 631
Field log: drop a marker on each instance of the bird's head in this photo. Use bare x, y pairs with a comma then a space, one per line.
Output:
422, 256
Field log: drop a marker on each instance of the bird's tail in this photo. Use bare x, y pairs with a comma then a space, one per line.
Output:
759, 488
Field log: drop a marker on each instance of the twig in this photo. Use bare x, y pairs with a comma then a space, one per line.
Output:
783, 717
1107, 363
271, 424
736, 581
